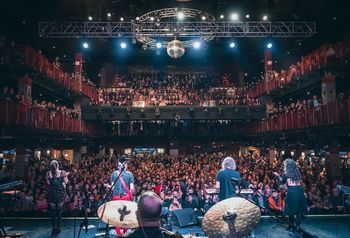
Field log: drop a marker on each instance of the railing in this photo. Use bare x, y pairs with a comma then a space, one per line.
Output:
27, 56
17, 114
332, 113
326, 54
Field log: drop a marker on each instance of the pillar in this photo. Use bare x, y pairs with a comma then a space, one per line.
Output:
272, 154
328, 89
25, 87
333, 160
268, 66
21, 160
78, 69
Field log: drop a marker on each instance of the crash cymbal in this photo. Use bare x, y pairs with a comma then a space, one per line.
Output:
10, 192
119, 213
233, 217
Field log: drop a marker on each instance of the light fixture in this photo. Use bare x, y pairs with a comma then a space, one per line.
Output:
196, 45
158, 45
122, 19
232, 45
90, 18
222, 16
247, 16
234, 17
152, 18
109, 14
265, 18
137, 18
269, 45
123, 45
180, 15
85, 45
203, 18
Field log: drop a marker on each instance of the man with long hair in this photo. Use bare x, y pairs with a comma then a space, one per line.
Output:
224, 177
295, 206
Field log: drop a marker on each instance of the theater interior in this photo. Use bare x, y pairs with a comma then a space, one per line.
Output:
162, 93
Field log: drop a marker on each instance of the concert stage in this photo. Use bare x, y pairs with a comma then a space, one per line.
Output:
328, 226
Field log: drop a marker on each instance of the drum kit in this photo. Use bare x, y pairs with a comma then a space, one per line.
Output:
233, 217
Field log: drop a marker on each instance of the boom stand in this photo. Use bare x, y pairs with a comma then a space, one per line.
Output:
282, 219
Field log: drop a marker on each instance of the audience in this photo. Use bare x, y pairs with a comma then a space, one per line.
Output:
162, 89
181, 182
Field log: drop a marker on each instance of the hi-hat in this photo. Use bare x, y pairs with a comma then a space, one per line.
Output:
119, 213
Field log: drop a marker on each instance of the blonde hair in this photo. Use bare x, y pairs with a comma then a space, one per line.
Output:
229, 163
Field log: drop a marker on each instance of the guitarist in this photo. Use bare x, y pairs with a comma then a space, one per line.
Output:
123, 188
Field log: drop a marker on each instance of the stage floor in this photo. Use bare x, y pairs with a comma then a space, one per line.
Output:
319, 226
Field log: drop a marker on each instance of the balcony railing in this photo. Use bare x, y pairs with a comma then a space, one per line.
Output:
330, 114
23, 55
22, 115
324, 55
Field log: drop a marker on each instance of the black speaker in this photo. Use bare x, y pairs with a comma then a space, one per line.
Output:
184, 217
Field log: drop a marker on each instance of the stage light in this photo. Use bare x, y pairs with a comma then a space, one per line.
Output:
247, 16
234, 17
196, 45
158, 45
232, 45
109, 14
269, 45
123, 45
122, 19
85, 45
90, 18
180, 15
222, 16
265, 18
152, 18
137, 18
203, 18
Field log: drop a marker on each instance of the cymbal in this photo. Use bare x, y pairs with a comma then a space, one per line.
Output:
119, 213
10, 192
233, 217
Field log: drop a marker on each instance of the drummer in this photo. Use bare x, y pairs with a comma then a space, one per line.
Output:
149, 209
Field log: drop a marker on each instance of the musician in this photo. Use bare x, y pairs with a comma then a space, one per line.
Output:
149, 209
224, 183
276, 202
57, 180
123, 187
295, 205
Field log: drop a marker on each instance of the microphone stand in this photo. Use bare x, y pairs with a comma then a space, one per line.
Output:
75, 218
108, 197
272, 213
85, 223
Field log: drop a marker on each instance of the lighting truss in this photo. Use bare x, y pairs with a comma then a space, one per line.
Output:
221, 29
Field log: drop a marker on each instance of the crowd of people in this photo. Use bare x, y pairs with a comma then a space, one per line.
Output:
162, 89
23, 55
326, 54
298, 105
181, 181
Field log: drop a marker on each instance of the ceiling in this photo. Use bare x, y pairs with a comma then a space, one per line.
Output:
20, 19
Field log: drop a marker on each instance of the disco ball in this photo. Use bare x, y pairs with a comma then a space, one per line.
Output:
175, 49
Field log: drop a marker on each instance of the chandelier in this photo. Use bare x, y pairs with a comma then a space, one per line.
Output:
176, 37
